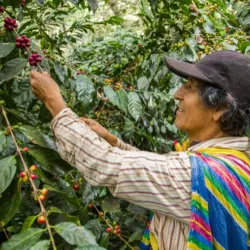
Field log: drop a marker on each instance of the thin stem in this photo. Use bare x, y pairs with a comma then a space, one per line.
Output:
43, 211
6, 235
119, 236
72, 177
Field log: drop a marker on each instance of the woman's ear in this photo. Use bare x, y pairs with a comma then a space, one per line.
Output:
217, 114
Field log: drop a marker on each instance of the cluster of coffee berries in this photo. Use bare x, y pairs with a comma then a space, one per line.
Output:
41, 219
108, 81
22, 3
34, 59
1, 9
118, 85
116, 230
22, 42
24, 175
43, 194
10, 24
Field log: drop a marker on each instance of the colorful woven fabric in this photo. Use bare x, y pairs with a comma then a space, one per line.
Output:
145, 242
220, 210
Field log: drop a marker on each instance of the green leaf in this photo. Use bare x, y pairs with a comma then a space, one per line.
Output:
111, 95
85, 90
28, 222
109, 204
7, 172
2, 141
6, 48
10, 202
143, 83
22, 92
134, 105
123, 100
23, 240
104, 242
95, 227
37, 137
50, 160
71, 199
12, 68
41, 245
75, 235
59, 71
90, 247
68, 217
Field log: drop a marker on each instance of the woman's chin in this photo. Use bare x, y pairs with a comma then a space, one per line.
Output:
179, 125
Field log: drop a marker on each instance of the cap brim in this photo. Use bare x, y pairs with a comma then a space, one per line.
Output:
185, 70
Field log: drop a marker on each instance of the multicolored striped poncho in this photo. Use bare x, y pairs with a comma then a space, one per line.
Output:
220, 206
220, 210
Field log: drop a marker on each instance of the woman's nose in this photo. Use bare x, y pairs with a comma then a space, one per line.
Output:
178, 95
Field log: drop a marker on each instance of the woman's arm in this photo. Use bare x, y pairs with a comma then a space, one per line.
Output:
106, 135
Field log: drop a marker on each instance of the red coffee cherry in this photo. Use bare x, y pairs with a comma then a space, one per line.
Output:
42, 197
41, 219
10, 24
33, 176
34, 59
22, 3
108, 230
76, 186
22, 174
22, 42
26, 149
1, 9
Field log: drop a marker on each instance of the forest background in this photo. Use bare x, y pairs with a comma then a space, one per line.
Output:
108, 58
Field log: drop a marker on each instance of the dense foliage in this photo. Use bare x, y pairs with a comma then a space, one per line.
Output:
119, 79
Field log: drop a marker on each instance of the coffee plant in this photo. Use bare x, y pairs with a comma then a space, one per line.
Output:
118, 79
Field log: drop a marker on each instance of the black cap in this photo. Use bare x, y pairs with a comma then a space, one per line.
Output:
228, 70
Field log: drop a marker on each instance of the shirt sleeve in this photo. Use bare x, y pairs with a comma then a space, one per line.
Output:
124, 146
161, 183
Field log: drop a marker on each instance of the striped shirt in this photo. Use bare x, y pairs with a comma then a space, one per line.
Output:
161, 183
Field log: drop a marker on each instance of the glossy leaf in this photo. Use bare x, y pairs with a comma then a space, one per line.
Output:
134, 105
123, 100
95, 227
37, 137
2, 140
6, 48
50, 160
105, 239
7, 172
85, 90
71, 199
12, 68
28, 222
111, 95
41, 245
143, 83
23, 240
109, 204
10, 202
75, 235
68, 217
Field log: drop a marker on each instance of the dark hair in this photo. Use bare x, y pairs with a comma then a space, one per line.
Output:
235, 119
